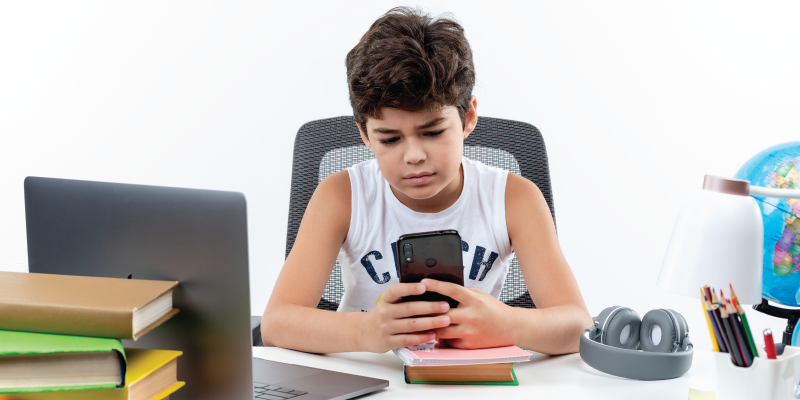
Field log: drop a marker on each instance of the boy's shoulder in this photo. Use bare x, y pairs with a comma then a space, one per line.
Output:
519, 188
334, 192
336, 184
525, 204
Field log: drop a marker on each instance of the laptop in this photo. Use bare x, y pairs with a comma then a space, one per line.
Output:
196, 237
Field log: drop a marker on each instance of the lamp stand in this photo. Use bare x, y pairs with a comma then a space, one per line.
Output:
791, 315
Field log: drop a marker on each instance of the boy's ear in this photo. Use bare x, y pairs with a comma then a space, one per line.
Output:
364, 137
471, 118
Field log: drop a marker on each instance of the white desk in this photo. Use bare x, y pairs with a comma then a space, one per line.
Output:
544, 377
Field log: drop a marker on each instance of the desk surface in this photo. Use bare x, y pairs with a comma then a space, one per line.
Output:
545, 377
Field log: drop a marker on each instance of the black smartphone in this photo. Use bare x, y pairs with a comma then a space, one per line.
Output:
433, 255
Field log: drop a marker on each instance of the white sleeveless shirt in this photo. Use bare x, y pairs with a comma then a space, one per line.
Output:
378, 218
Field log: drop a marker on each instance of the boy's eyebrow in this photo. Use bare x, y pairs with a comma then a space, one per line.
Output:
433, 122
385, 130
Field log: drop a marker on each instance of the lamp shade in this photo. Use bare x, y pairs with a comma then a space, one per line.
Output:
717, 240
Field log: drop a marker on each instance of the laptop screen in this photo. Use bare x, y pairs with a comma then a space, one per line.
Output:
196, 237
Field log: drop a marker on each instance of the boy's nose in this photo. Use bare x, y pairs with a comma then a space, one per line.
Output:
414, 153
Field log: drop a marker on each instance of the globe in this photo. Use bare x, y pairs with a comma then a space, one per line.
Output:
777, 167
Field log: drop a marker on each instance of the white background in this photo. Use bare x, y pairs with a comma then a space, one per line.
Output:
636, 102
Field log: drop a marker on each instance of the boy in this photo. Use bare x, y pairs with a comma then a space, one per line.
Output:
410, 80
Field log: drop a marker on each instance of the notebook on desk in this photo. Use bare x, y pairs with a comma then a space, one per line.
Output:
434, 354
195, 237
432, 363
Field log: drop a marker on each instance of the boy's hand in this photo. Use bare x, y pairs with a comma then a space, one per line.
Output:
479, 321
389, 324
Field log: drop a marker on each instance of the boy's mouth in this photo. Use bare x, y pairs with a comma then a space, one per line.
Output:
420, 178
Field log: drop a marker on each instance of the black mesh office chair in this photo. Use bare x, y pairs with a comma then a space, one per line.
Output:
327, 146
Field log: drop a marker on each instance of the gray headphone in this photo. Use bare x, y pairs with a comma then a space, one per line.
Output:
612, 344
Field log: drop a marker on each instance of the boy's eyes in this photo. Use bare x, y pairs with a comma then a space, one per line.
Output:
394, 139
434, 133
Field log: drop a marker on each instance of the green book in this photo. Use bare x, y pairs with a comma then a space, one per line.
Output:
477, 374
39, 362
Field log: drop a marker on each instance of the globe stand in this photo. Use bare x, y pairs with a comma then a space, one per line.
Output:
791, 315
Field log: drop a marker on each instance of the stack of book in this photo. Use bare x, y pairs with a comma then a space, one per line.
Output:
60, 338
431, 363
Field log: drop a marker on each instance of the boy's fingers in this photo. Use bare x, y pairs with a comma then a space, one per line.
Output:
398, 341
399, 290
421, 324
450, 332
410, 309
459, 316
456, 292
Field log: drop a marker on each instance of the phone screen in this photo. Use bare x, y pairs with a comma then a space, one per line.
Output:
433, 255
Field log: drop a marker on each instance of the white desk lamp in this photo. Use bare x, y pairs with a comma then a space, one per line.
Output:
718, 240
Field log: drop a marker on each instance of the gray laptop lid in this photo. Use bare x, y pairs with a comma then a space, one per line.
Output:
319, 384
197, 237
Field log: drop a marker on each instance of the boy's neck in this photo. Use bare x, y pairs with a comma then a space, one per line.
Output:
440, 202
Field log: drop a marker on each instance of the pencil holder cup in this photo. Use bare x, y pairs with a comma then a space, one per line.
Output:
765, 379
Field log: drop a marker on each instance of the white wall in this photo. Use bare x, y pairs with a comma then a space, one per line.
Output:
641, 97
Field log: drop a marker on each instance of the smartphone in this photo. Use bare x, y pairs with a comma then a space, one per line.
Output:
433, 255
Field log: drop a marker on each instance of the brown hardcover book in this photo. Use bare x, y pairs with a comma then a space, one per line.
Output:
83, 306
151, 375
460, 373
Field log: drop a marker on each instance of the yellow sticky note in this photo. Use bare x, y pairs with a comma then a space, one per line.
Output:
695, 394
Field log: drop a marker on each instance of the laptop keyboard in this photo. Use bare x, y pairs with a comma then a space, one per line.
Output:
272, 392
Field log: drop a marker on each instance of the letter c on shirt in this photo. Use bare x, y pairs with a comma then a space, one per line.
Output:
371, 270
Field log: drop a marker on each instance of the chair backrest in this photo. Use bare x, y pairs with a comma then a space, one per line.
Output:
326, 146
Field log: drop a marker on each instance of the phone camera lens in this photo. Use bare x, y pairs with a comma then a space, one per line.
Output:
408, 253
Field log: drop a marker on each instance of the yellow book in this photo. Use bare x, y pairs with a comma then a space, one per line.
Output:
151, 375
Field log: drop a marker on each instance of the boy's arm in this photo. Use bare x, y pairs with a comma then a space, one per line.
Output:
555, 326
291, 319
561, 315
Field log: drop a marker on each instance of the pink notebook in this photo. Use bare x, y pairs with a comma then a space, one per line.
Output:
432, 354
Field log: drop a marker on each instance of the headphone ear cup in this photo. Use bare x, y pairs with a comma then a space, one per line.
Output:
682, 320
601, 318
683, 327
619, 328
660, 332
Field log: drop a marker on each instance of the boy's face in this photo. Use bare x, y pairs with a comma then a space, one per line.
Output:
419, 152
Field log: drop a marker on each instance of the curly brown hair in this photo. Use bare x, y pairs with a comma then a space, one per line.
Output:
410, 61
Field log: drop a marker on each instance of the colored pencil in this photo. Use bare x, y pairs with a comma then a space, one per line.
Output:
714, 298
741, 343
716, 323
712, 331
721, 338
737, 355
718, 316
739, 330
747, 331
734, 298
707, 292
718, 329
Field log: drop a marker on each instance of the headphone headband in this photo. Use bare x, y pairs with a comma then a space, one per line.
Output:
633, 364
653, 347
